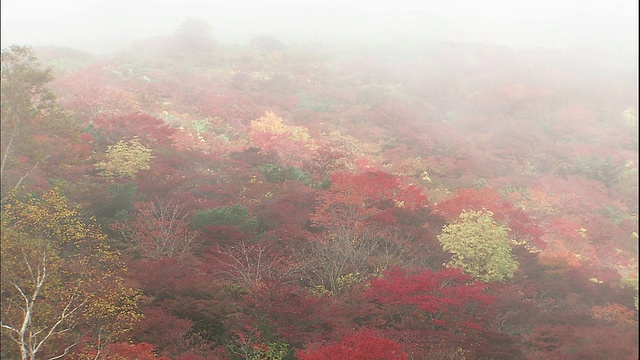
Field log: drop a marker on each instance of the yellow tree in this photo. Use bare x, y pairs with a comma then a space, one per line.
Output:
479, 246
292, 144
61, 284
125, 159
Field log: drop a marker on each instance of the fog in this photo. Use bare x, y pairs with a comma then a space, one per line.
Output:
106, 26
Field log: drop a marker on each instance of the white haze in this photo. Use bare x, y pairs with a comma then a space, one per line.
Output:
105, 26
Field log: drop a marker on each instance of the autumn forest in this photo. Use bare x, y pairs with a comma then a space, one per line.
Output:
187, 199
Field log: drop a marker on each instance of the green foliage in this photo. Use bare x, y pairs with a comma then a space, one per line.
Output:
33, 127
325, 184
226, 215
200, 125
259, 343
123, 195
277, 174
267, 351
631, 283
63, 60
616, 214
603, 169
479, 246
317, 103
508, 189
261, 351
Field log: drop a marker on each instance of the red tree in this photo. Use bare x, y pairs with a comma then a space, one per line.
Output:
363, 345
441, 294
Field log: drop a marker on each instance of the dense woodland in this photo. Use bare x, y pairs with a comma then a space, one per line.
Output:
186, 199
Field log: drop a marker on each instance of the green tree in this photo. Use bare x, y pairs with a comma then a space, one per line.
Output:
61, 284
226, 215
479, 246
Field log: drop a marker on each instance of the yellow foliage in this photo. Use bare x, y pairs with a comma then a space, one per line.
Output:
582, 232
425, 176
58, 274
273, 124
479, 246
346, 280
630, 116
125, 159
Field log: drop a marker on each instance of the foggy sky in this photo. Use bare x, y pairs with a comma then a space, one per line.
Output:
104, 26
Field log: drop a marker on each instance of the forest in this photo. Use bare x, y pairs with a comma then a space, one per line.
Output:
188, 199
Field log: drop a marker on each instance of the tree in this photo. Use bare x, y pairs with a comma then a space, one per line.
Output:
127, 351
521, 226
33, 129
250, 344
150, 131
356, 200
92, 92
164, 330
125, 159
183, 289
60, 282
479, 246
292, 144
360, 229
195, 34
443, 295
158, 229
225, 215
359, 346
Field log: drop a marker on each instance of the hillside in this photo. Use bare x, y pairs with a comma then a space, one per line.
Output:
188, 199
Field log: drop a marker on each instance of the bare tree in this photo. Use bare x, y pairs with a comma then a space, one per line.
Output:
159, 229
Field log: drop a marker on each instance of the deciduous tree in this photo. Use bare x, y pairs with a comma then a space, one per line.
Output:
60, 282
34, 129
363, 345
479, 246
292, 144
125, 159
158, 229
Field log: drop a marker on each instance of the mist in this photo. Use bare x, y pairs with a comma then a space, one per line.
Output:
107, 26
346, 179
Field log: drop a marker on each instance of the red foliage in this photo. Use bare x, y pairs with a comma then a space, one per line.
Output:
126, 351
472, 199
287, 215
165, 331
522, 225
149, 130
221, 235
354, 198
236, 109
89, 93
300, 317
326, 160
291, 144
582, 342
435, 292
363, 345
